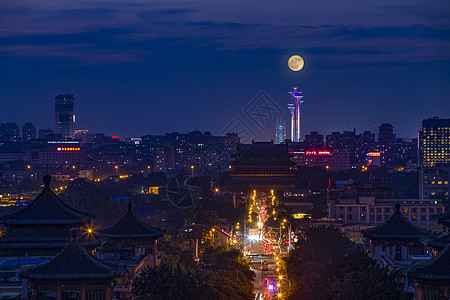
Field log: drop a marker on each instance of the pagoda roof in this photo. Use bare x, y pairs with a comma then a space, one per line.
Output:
443, 219
435, 268
397, 226
131, 226
437, 241
74, 262
47, 208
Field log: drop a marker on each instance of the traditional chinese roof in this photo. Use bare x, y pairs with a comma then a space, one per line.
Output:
41, 241
437, 268
47, 208
443, 219
437, 241
397, 226
262, 154
74, 262
130, 226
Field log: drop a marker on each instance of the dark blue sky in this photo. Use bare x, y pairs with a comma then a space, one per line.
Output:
146, 67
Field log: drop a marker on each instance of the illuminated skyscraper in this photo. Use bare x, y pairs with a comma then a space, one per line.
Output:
280, 131
64, 115
434, 160
295, 115
434, 142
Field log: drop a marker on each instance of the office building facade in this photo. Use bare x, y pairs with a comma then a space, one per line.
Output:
65, 115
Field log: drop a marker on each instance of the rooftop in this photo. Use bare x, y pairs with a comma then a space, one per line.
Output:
397, 226
73, 262
435, 268
263, 154
130, 226
47, 208
443, 219
438, 241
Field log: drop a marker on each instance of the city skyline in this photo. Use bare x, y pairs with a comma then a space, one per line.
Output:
140, 67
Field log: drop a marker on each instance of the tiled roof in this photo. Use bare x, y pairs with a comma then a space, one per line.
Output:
32, 241
264, 154
47, 208
443, 219
437, 241
74, 262
437, 267
397, 226
130, 226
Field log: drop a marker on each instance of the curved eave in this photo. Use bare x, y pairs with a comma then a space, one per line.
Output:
46, 222
393, 236
110, 275
48, 245
419, 271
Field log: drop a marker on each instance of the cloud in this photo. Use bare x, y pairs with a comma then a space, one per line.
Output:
80, 54
118, 31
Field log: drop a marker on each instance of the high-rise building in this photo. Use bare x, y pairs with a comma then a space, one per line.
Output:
295, 115
434, 142
280, 131
435, 183
313, 141
434, 159
386, 135
9, 132
28, 132
64, 115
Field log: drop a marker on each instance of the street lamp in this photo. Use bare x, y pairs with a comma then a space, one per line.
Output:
289, 234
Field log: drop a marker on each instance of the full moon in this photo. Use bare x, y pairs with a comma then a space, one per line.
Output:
295, 63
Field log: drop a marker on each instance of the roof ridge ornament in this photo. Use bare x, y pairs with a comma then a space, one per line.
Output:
74, 234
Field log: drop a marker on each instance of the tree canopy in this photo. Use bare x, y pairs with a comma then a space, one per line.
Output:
326, 265
221, 273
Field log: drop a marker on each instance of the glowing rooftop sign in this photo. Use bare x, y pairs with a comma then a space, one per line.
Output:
68, 149
374, 154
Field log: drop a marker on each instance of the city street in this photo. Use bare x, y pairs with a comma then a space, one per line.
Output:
263, 279
263, 257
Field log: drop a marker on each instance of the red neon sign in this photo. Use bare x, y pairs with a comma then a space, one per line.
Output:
318, 153
115, 136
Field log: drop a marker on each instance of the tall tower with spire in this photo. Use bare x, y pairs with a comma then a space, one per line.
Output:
295, 114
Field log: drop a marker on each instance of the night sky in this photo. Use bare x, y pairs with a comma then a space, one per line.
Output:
147, 67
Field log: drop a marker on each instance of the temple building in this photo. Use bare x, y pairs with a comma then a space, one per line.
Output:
444, 220
130, 242
73, 274
396, 239
439, 241
431, 279
263, 165
40, 229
